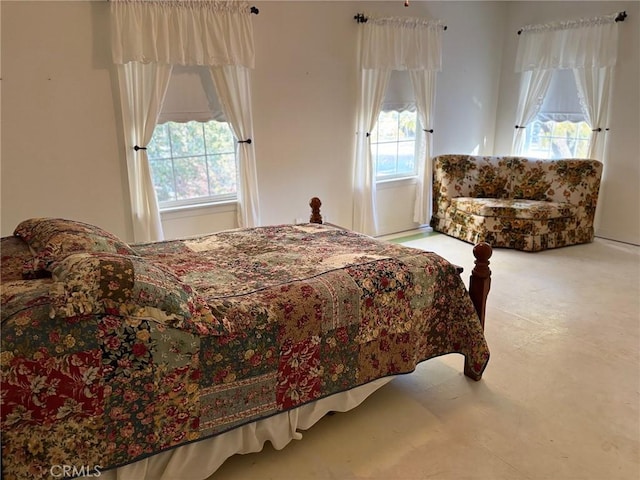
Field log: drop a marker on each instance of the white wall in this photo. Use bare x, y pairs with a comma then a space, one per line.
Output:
62, 148
61, 137
305, 89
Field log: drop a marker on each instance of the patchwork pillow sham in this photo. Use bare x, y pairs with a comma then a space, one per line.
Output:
107, 283
14, 253
52, 239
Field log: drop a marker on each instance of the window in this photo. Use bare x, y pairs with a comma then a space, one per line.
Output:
567, 136
395, 140
193, 163
192, 153
393, 144
559, 129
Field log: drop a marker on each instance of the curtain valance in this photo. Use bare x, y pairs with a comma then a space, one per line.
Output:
399, 43
583, 43
182, 32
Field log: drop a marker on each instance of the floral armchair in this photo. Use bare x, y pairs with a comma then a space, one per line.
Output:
522, 203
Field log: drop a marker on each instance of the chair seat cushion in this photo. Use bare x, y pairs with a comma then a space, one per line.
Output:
513, 208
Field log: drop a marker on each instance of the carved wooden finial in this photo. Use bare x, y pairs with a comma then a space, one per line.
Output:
482, 252
480, 281
315, 204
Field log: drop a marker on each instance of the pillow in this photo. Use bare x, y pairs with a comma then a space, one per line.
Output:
14, 253
52, 239
109, 283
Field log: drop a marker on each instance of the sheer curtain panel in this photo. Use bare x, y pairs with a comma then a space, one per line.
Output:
233, 86
387, 44
587, 46
594, 91
142, 89
533, 87
424, 87
373, 83
154, 35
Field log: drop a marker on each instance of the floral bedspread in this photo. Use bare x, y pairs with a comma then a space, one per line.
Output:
300, 312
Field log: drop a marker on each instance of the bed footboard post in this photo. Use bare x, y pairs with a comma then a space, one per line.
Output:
479, 285
480, 280
315, 204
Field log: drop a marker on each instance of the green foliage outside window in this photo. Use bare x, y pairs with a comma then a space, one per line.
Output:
193, 162
393, 144
557, 139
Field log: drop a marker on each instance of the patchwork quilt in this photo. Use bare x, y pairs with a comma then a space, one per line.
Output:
117, 355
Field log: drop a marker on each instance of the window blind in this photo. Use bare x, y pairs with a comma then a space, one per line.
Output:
190, 96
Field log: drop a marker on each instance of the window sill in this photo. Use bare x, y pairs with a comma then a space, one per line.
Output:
396, 182
198, 209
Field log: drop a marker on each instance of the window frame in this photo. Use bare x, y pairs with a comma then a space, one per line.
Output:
418, 140
200, 201
557, 118
561, 103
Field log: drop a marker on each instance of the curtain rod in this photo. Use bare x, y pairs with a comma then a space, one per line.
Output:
360, 18
619, 18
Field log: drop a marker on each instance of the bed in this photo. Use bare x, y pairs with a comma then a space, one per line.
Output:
162, 360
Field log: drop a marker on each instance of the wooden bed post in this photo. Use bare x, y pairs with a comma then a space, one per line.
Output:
315, 204
479, 284
480, 280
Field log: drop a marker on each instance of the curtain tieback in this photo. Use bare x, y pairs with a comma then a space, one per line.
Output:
136, 148
520, 126
368, 134
248, 141
428, 131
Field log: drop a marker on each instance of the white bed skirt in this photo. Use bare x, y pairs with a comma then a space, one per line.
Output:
199, 460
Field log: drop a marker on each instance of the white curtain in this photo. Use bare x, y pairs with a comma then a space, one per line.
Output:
424, 88
234, 92
594, 91
150, 36
142, 89
386, 44
589, 47
533, 87
182, 32
591, 42
373, 83
401, 43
